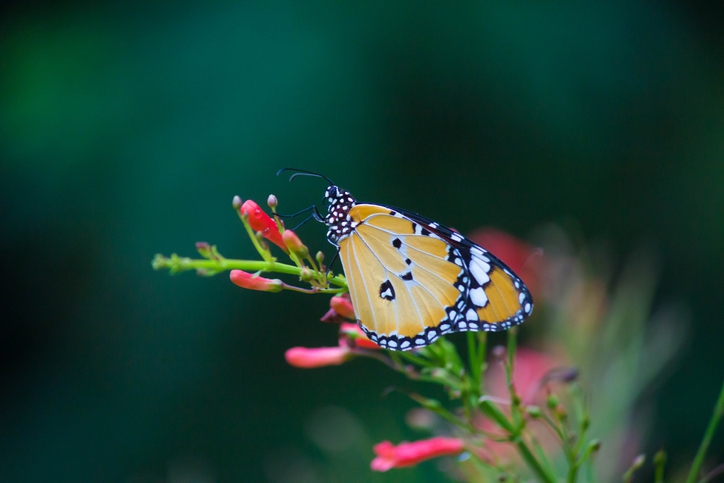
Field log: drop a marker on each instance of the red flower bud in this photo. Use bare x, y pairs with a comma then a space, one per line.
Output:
249, 281
307, 358
357, 335
343, 306
409, 454
263, 223
294, 244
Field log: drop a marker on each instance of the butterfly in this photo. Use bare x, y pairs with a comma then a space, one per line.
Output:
412, 280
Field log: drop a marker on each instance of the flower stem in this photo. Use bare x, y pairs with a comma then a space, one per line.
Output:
708, 435
180, 264
533, 463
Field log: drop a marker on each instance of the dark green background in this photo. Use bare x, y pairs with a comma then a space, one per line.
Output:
126, 128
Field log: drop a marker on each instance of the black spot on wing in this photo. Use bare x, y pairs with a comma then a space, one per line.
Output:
387, 291
406, 276
397, 243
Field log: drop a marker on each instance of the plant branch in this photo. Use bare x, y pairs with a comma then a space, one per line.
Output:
708, 435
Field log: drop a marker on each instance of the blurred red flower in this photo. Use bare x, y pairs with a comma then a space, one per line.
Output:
261, 222
409, 454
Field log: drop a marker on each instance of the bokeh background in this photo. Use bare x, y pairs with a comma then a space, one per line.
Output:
127, 127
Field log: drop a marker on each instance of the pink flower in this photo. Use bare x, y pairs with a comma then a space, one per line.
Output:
261, 222
357, 336
251, 282
307, 358
340, 309
409, 454
343, 306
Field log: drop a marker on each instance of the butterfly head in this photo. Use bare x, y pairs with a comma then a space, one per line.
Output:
338, 219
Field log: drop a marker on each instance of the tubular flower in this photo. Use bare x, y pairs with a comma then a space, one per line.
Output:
294, 244
343, 306
306, 358
409, 454
357, 335
263, 223
340, 309
249, 281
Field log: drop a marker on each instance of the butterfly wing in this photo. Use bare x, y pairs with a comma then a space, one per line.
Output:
412, 280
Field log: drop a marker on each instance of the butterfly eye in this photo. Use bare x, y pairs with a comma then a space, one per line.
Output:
331, 193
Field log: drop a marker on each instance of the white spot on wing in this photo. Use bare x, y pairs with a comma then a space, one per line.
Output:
480, 270
478, 251
479, 297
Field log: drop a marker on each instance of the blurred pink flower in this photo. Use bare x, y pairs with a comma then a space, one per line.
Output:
409, 454
310, 358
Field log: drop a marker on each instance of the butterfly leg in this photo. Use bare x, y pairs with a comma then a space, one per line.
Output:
315, 215
334, 259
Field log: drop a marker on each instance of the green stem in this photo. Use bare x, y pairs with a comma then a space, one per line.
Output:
509, 371
592, 446
533, 463
482, 347
555, 428
492, 411
540, 452
659, 463
474, 364
265, 254
180, 264
710, 430
415, 359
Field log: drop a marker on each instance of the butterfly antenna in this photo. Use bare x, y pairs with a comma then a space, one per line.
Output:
303, 172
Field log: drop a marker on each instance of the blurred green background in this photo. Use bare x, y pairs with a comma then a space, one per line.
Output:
126, 128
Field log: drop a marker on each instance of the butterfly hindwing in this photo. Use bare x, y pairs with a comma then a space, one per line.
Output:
500, 298
412, 280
